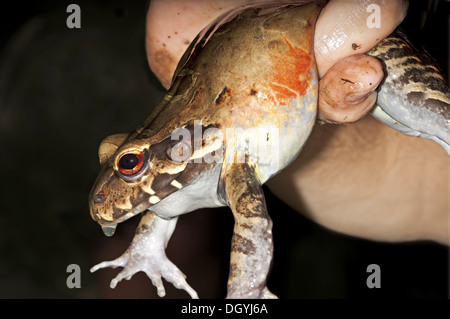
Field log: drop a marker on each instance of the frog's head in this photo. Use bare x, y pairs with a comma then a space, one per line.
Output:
138, 173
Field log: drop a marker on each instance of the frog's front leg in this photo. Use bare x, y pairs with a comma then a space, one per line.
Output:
252, 246
147, 253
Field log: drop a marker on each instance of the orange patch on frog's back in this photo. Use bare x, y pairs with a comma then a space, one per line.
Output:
290, 74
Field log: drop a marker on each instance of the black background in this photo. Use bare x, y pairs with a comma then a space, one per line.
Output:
63, 90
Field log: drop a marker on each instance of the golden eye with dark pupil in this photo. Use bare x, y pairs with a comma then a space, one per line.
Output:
131, 163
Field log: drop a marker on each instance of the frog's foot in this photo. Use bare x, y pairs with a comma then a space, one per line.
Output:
155, 266
147, 254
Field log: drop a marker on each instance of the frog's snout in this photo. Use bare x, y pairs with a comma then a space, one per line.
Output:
108, 227
98, 198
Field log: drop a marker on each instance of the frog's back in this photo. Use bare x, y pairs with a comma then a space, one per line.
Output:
252, 72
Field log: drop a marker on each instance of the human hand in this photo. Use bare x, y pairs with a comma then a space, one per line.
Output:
348, 77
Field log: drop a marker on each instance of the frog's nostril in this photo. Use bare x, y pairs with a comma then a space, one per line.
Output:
98, 198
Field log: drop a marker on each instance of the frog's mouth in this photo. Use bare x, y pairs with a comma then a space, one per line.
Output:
109, 228
108, 210
111, 212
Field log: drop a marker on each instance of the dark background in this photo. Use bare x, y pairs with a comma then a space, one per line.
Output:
63, 90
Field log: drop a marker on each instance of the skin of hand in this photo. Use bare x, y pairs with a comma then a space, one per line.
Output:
370, 181
341, 36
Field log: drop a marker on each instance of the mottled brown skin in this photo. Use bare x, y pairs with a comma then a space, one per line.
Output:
418, 95
252, 236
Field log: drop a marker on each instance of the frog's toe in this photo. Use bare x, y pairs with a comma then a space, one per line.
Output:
157, 282
126, 274
161, 267
172, 274
118, 262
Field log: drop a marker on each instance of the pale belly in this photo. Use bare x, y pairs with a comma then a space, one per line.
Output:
271, 133
369, 181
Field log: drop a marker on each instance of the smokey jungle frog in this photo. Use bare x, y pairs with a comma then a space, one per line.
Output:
242, 103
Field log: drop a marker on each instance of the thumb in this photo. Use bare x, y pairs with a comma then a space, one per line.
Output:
347, 90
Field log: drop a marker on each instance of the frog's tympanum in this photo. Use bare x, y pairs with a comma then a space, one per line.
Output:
242, 103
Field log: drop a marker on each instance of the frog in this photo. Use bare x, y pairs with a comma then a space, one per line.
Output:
242, 104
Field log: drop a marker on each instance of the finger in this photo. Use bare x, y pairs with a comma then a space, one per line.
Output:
172, 25
346, 27
347, 90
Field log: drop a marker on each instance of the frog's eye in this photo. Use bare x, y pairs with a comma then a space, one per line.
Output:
131, 163
180, 152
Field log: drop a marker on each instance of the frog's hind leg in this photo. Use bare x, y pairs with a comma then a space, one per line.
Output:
252, 245
382, 116
414, 97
